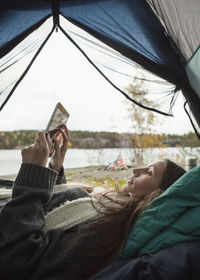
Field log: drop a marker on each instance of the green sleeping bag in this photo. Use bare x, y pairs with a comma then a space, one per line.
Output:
171, 218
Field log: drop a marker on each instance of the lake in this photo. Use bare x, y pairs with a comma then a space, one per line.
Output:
10, 160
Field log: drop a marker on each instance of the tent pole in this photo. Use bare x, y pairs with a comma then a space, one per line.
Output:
55, 13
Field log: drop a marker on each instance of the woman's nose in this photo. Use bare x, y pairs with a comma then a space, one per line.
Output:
136, 171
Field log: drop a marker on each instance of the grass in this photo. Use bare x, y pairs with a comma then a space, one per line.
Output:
68, 174
105, 182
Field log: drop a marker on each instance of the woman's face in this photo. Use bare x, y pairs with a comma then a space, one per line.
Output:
145, 179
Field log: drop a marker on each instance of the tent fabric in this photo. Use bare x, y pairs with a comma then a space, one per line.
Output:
97, 18
119, 71
138, 35
181, 20
6, 183
143, 36
130, 27
19, 19
193, 69
15, 65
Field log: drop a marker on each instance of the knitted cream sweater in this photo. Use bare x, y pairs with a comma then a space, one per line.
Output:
79, 211
71, 214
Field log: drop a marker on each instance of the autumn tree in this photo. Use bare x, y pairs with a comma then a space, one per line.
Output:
143, 121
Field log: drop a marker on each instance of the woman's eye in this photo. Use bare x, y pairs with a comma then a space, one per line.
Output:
149, 172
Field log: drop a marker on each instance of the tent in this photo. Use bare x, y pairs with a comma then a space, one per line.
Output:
159, 36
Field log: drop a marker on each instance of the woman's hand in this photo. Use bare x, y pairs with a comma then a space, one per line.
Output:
59, 151
38, 153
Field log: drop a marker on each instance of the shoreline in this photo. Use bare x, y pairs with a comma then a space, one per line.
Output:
85, 173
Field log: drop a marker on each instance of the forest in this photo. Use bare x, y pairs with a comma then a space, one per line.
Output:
97, 140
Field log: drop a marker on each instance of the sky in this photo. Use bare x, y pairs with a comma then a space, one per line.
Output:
64, 76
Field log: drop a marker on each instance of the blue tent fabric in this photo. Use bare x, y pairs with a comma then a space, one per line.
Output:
7, 183
136, 33
128, 26
19, 19
131, 28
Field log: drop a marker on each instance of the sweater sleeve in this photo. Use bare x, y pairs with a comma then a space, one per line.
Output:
61, 178
22, 240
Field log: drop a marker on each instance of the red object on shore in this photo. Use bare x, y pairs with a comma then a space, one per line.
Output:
118, 164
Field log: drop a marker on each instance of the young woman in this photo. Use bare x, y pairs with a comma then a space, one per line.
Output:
30, 250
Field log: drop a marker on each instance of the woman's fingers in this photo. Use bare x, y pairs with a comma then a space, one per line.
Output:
55, 135
65, 135
57, 146
60, 147
38, 152
37, 141
49, 142
42, 139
